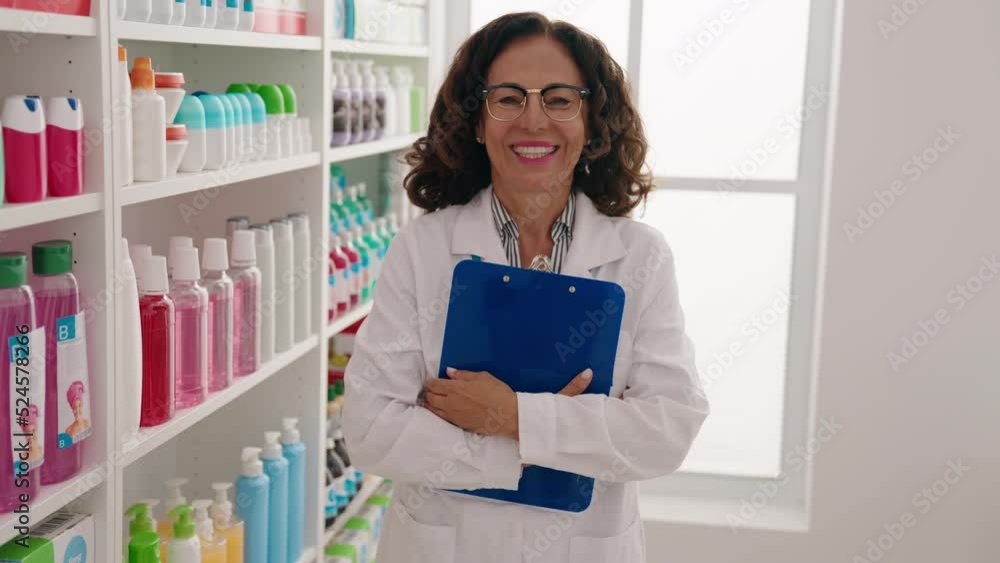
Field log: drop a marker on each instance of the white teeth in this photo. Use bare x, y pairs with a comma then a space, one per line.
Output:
534, 152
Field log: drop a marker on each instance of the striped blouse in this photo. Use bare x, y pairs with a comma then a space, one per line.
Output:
562, 233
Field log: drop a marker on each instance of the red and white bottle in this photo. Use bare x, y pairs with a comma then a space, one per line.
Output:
24, 149
64, 145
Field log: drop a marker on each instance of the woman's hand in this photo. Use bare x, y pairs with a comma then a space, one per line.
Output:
478, 402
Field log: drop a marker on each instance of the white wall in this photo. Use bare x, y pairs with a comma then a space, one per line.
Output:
941, 69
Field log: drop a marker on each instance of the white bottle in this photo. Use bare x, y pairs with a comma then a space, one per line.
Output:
246, 15
304, 137
173, 245
129, 348
149, 124
389, 107
230, 129
249, 150
139, 253
179, 13
163, 11
284, 300
402, 86
123, 108
359, 110
211, 13
239, 131
215, 132
184, 546
369, 85
138, 10
303, 283
120, 9
229, 14
196, 12
264, 242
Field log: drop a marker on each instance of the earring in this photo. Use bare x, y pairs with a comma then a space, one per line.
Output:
479, 140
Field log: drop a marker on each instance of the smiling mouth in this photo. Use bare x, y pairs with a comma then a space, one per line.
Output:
533, 153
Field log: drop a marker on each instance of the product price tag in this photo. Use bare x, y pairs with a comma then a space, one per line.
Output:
73, 384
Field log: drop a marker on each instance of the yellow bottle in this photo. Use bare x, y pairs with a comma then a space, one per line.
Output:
227, 526
213, 548
165, 527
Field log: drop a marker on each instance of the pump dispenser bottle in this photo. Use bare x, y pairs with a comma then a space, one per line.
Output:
227, 526
295, 452
184, 546
174, 499
213, 548
276, 469
252, 490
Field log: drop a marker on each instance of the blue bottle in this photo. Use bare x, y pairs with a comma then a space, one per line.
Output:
295, 452
276, 469
252, 506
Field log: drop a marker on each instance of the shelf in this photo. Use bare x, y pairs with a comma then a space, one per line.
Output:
140, 31
31, 22
355, 47
371, 483
148, 439
51, 498
16, 215
360, 150
140, 192
349, 318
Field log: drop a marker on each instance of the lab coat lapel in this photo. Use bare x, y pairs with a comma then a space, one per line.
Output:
474, 233
596, 241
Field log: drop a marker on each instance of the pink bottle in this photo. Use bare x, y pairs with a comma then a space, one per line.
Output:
214, 262
156, 317
190, 330
246, 304
64, 146
67, 401
17, 312
25, 165
341, 299
354, 288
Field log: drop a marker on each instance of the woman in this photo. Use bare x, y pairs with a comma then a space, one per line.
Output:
75, 396
534, 157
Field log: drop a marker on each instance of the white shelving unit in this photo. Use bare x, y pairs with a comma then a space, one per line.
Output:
58, 55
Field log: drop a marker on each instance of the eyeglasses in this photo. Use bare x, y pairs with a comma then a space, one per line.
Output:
506, 102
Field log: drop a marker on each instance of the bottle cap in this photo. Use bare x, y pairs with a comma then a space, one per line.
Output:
262, 234
202, 521
216, 257
236, 87
24, 114
52, 257
288, 95
282, 228
215, 112
142, 74
227, 106
300, 222
290, 434
257, 108
174, 496
172, 246
144, 548
142, 520
191, 114
272, 445
244, 251
122, 54
184, 527
154, 275
234, 101
274, 100
222, 508
252, 466
138, 253
65, 113
187, 268
177, 132
169, 79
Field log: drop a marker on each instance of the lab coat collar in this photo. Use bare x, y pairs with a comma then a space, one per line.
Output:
595, 239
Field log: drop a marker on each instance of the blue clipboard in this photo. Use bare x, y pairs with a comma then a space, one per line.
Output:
535, 331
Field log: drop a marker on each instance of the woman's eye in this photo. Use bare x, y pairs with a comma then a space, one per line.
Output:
557, 102
510, 100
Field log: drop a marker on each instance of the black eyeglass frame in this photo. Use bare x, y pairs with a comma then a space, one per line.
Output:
485, 92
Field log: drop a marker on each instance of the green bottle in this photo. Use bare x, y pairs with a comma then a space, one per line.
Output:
353, 209
365, 203
144, 548
338, 207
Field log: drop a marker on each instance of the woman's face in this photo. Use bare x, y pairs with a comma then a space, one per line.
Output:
533, 62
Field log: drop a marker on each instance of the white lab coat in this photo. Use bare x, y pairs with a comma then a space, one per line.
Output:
643, 430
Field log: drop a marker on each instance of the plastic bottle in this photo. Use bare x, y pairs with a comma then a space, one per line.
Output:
369, 85
239, 128
374, 237
138, 10
276, 469
179, 13
303, 287
418, 105
236, 223
211, 13
252, 489
17, 310
215, 132
142, 519
284, 289
192, 115
123, 107
25, 169
264, 242
288, 144
129, 344
139, 253
339, 27
341, 494
246, 16
232, 147
341, 218
191, 329
219, 286
342, 294
177, 143
175, 498
401, 83
294, 451
365, 203
352, 205
64, 146
149, 145
359, 109
343, 106
249, 148
259, 112
340, 446
274, 103
174, 244
163, 11
57, 304
229, 14
144, 548
213, 549
227, 526
156, 315
196, 13
304, 139
385, 104
246, 304
354, 291
373, 246
184, 546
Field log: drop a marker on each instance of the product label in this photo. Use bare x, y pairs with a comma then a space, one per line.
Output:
74, 387
27, 400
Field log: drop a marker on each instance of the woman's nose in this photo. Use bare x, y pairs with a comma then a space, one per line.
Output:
534, 117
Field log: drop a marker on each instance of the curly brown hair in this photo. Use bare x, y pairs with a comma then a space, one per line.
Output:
450, 167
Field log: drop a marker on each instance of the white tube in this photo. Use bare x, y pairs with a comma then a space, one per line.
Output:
284, 299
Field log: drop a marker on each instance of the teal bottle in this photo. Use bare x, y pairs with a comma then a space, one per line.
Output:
252, 491
294, 451
276, 469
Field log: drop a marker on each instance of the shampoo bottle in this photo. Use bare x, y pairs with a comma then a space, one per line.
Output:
341, 130
294, 451
264, 242
24, 149
184, 546
219, 286
64, 146
149, 150
191, 326
227, 526
276, 469
213, 548
129, 348
156, 316
252, 490
246, 304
